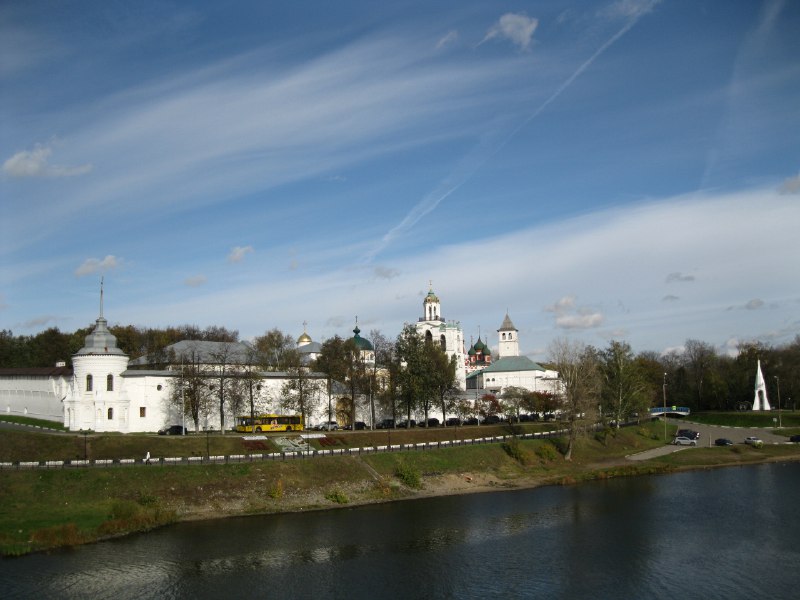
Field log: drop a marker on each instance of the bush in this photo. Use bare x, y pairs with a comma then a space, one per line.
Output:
602, 434
546, 451
408, 475
338, 496
514, 450
124, 510
276, 491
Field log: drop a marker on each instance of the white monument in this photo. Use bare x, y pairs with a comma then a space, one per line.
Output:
760, 401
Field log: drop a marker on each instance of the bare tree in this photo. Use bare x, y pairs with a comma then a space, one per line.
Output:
577, 368
190, 391
300, 392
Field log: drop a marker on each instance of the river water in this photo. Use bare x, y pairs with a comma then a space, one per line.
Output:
724, 533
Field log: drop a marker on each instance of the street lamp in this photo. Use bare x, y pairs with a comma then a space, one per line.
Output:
778, 383
85, 454
664, 394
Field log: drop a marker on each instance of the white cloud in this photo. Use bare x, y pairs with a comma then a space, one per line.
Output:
568, 316
95, 265
385, 272
448, 39
34, 163
238, 253
516, 28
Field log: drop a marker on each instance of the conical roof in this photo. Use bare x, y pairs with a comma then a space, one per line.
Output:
507, 325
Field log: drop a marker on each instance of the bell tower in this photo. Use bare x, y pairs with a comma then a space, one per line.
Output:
507, 339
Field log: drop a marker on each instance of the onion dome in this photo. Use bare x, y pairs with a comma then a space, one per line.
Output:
360, 342
431, 298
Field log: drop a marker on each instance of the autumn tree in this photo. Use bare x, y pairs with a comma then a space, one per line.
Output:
577, 366
624, 390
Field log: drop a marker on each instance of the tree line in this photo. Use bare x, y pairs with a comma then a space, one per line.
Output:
410, 376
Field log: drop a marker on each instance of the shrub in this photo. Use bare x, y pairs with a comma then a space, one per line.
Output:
546, 451
408, 475
514, 450
338, 496
276, 491
602, 434
124, 510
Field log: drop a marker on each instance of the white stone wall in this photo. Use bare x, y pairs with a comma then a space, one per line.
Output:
38, 397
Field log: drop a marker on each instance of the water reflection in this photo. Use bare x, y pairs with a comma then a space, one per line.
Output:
718, 533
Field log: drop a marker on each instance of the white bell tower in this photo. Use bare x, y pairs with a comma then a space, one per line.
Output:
507, 339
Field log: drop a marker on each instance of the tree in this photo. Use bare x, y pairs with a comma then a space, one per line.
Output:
300, 392
488, 406
624, 390
332, 362
580, 390
384, 355
442, 377
190, 391
277, 350
516, 399
225, 371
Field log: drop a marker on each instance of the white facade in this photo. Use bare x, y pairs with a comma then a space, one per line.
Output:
433, 327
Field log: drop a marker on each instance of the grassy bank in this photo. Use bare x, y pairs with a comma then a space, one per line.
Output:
42, 509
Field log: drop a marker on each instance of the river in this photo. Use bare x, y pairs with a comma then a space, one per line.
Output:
722, 533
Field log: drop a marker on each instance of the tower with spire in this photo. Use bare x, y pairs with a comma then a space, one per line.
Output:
433, 327
97, 400
507, 339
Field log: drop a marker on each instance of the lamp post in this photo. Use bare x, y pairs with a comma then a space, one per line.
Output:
778, 383
85, 453
208, 453
664, 395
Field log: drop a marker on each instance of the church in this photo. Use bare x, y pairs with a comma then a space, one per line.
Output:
106, 391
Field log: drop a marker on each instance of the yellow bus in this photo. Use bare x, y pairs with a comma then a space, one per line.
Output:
269, 422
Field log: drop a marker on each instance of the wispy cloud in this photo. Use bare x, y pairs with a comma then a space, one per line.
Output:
238, 253
96, 265
678, 277
516, 28
450, 38
670, 298
570, 316
35, 163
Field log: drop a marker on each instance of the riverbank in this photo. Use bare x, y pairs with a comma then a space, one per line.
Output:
47, 509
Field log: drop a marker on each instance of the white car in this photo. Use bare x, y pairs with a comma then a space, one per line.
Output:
684, 441
753, 441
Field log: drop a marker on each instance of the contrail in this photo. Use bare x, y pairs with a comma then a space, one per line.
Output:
478, 156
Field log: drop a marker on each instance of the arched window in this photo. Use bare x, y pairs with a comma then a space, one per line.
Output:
504, 336
443, 342
110, 414
89, 383
428, 337
110, 383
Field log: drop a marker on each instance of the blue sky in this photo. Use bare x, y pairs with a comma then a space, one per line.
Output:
622, 170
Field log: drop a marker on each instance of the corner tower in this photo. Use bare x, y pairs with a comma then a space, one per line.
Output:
433, 328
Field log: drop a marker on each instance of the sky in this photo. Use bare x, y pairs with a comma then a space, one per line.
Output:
625, 170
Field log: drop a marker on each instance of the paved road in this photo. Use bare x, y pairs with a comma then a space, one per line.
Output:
709, 433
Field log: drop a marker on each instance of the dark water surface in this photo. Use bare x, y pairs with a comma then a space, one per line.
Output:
724, 533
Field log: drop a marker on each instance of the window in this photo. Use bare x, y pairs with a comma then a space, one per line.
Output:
509, 335
89, 383
110, 383
504, 336
428, 337
443, 341
142, 412
110, 414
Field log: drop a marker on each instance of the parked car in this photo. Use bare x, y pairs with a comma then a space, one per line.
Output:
471, 421
689, 433
404, 424
453, 422
795, 439
360, 426
329, 426
754, 441
723, 442
385, 424
172, 430
432, 422
684, 441
491, 420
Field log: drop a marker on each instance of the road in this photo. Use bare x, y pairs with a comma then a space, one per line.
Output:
709, 433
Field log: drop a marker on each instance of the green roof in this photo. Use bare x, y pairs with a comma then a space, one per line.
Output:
513, 363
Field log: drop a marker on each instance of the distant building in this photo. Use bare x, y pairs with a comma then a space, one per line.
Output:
511, 369
433, 328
